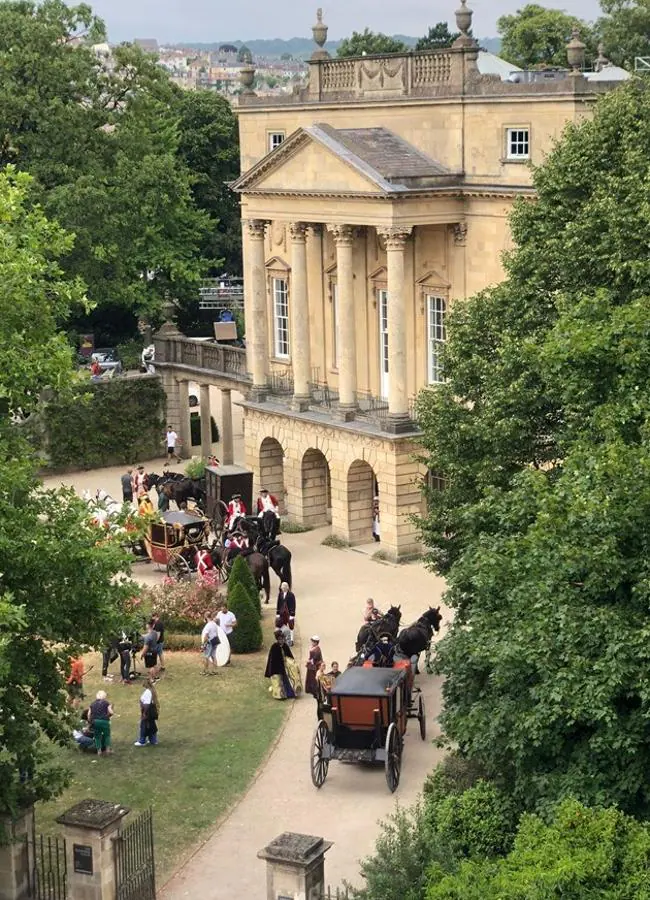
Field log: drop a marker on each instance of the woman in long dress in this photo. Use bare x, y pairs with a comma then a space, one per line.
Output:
283, 670
313, 665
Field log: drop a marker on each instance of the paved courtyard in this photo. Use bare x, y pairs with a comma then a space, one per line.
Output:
331, 588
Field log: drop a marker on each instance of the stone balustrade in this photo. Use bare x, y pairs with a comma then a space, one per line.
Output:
218, 359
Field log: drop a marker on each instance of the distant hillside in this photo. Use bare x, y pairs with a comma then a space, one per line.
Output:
301, 48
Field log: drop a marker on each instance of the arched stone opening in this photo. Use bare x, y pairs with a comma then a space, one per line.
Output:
316, 488
272, 469
361, 492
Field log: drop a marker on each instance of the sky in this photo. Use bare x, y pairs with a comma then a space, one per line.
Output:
175, 21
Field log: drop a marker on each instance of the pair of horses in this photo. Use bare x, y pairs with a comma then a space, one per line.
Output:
410, 641
179, 488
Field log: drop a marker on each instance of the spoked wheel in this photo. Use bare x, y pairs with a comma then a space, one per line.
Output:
422, 718
319, 765
178, 568
393, 764
224, 573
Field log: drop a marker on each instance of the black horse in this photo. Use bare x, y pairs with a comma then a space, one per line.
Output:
279, 557
371, 632
182, 491
412, 640
257, 563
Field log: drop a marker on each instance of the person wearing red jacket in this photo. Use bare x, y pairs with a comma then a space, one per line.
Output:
266, 503
236, 509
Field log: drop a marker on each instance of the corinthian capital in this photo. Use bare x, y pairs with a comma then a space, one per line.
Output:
343, 234
256, 228
395, 236
298, 231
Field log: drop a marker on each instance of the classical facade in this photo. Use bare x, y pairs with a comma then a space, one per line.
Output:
371, 200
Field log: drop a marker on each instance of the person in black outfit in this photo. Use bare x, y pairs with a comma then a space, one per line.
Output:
159, 628
127, 486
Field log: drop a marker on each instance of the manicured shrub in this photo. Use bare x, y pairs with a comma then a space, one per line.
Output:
242, 575
247, 636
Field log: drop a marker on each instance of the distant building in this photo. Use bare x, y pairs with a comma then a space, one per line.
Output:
149, 45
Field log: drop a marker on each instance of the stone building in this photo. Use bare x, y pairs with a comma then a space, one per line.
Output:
371, 200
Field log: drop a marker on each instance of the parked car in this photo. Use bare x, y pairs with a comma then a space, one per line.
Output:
107, 359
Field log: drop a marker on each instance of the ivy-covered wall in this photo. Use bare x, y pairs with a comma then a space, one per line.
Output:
106, 423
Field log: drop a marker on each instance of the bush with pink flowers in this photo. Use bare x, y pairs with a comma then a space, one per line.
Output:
182, 605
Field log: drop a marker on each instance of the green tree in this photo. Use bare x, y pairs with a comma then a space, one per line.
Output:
366, 42
244, 55
242, 575
58, 589
583, 853
438, 37
536, 36
625, 30
103, 148
542, 430
247, 636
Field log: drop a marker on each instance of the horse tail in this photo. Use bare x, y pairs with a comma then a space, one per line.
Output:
286, 571
266, 580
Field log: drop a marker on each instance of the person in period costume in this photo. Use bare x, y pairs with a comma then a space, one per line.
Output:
267, 502
145, 506
236, 543
313, 665
203, 560
140, 486
236, 509
285, 610
283, 671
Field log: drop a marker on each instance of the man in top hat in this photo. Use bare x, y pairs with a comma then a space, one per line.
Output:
266, 502
236, 509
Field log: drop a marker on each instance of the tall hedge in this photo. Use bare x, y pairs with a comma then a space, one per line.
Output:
247, 636
106, 423
242, 575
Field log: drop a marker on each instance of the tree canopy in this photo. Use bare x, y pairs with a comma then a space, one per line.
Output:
438, 37
542, 431
58, 591
536, 36
369, 42
625, 30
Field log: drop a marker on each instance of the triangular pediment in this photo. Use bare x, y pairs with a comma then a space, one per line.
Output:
306, 163
433, 279
379, 274
277, 264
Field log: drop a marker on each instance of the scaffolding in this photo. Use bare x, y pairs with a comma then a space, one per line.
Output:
220, 294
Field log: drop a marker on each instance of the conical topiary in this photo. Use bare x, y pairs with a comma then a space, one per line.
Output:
247, 636
241, 574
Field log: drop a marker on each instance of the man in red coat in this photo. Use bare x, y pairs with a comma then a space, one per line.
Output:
236, 509
268, 503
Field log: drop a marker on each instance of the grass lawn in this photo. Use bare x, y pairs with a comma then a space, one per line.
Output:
214, 732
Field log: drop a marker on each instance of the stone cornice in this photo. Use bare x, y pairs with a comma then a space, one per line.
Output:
504, 192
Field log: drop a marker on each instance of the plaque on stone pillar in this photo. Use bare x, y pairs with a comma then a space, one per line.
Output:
82, 859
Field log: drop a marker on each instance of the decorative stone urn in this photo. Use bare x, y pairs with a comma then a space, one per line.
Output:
319, 31
575, 52
463, 18
247, 79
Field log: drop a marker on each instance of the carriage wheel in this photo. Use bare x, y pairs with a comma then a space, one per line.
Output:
422, 718
178, 568
393, 764
224, 573
319, 766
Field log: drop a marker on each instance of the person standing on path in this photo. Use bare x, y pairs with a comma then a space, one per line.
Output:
172, 439
285, 610
127, 486
313, 665
99, 716
149, 712
210, 641
282, 669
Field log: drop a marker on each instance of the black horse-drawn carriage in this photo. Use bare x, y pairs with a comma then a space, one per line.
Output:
365, 720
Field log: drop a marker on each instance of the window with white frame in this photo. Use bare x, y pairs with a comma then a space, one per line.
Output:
275, 139
281, 318
335, 325
436, 336
517, 143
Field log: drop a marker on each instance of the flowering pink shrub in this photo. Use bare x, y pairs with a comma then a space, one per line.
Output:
186, 601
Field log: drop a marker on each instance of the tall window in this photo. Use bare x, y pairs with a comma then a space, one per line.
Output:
281, 318
275, 139
436, 336
335, 325
382, 303
517, 143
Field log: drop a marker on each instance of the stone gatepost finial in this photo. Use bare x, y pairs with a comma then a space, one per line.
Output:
319, 30
247, 79
601, 61
464, 24
575, 51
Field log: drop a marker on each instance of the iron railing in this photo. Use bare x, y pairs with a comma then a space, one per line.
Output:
135, 871
48, 873
339, 893
281, 382
371, 407
323, 395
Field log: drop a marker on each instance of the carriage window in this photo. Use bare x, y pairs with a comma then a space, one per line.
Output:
436, 336
281, 318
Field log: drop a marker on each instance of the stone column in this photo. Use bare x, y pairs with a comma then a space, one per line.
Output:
345, 335
206, 422
15, 856
256, 329
396, 239
295, 866
227, 451
89, 829
185, 429
300, 349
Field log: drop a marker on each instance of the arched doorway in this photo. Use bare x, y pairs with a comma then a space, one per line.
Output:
272, 469
316, 488
361, 491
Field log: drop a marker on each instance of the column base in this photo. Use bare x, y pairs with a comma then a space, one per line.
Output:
258, 393
399, 423
345, 412
300, 403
